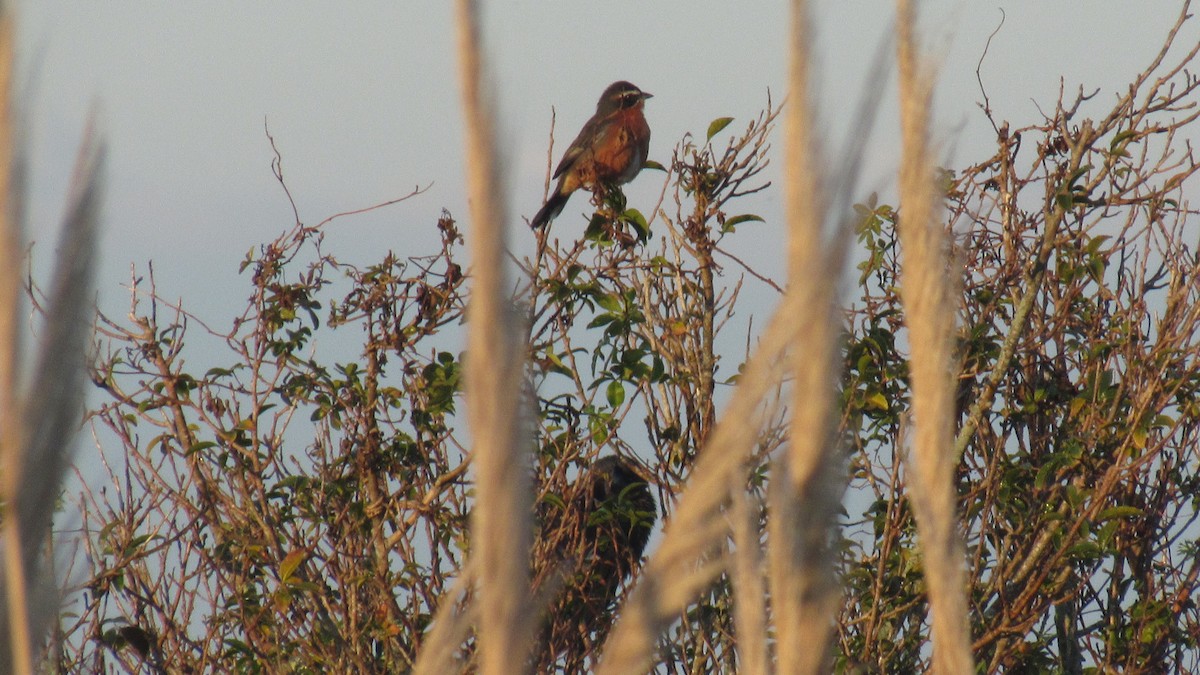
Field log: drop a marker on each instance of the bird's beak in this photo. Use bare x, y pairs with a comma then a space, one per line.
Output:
646, 95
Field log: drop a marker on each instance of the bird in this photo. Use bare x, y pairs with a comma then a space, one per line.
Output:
610, 149
590, 542
621, 512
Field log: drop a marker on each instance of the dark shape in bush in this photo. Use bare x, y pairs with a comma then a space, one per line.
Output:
590, 542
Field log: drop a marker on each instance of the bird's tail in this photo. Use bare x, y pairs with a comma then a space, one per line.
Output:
550, 210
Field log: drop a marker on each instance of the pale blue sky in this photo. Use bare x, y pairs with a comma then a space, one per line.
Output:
362, 101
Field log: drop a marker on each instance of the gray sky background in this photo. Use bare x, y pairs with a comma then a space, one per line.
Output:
362, 101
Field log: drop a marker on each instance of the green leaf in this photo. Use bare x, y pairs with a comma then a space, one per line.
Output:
135, 544
615, 393
1077, 405
1117, 512
235, 646
602, 320
290, 562
198, 447
658, 371
611, 302
877, 401
1085, 550
1140, 436
1044, 474
554, 500
651, 164
1120, 138
738, 220
717, 125
307, 587
557, 364
1078, 173
638, 222
1094, 244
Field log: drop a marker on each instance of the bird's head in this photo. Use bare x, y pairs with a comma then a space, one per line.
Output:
621, 95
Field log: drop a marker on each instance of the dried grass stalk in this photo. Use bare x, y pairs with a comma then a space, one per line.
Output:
501, 530
749, 587
805, 488
927, 291
37, 422
678, 570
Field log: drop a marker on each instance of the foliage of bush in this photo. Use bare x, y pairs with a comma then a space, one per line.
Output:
274, 509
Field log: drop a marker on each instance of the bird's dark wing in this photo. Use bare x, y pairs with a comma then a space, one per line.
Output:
587, 139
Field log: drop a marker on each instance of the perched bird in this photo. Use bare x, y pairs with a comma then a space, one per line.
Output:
610, 149
620, 511
590, 542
